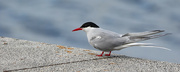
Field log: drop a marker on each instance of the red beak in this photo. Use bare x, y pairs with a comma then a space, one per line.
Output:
77, 29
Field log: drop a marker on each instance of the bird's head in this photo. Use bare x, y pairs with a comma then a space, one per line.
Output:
87, 26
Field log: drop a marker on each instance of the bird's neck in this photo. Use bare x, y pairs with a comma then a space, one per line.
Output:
89, 29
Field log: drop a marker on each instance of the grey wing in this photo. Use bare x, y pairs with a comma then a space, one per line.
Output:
107, 41
143, 33
141, 36
136, 37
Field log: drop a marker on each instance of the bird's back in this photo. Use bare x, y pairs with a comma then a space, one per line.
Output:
104, 40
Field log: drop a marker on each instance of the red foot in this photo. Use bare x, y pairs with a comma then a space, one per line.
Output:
101, 54
98, 55
108, 54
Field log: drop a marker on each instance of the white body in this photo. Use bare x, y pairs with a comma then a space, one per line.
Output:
105, 40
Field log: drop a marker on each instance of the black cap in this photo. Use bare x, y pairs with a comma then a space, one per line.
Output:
89, 24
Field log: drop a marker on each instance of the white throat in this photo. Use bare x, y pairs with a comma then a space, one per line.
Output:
87, 29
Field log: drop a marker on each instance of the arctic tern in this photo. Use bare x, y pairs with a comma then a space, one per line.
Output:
107, 41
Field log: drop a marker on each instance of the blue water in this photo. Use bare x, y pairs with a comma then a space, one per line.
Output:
52, 21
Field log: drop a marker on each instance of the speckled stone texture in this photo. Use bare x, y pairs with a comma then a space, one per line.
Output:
28, 56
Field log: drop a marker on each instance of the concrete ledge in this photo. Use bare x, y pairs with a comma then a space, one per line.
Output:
28, 56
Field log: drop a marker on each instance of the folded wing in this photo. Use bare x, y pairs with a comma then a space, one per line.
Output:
141, 36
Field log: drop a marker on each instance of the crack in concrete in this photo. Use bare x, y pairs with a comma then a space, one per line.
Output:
61, 63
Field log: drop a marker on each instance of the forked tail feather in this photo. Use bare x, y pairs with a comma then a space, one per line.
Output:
141, 45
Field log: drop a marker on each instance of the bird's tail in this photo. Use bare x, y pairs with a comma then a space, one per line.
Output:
136, 37
141, 36
141, 45
143, 33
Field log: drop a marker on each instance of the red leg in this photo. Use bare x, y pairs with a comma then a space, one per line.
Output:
108, 54
101, 54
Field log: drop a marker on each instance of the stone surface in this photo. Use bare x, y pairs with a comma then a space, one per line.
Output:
28, 56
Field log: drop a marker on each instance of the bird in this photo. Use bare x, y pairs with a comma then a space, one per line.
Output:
107, 41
